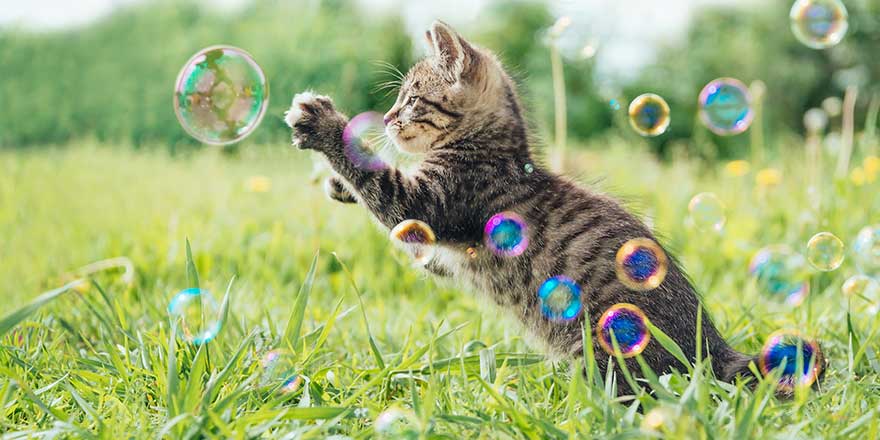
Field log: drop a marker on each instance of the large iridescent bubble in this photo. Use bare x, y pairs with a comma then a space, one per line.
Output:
221, 95
629, 326
726, 106
819, 24
786, 349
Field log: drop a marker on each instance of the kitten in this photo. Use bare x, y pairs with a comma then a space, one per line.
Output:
459, 109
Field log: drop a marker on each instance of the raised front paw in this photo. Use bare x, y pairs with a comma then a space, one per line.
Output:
337, 191
316, 124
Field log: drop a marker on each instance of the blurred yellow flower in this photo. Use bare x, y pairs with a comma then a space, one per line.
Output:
737, 168
768, 177
82, 286
258, 184
871, 164
857, 175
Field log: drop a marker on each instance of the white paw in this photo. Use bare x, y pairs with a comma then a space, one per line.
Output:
295, 113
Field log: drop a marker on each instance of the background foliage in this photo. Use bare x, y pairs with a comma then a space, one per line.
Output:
112, 81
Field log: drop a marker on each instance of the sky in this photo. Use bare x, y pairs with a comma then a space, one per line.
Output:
625, 33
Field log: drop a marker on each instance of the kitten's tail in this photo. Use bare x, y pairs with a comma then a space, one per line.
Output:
736, 365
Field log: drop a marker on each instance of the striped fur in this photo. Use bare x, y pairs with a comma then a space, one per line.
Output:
460, 109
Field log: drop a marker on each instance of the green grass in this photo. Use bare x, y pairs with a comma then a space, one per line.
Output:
368, 331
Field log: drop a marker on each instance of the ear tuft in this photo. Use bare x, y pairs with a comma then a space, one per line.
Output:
449, 49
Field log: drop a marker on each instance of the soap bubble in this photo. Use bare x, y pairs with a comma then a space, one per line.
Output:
641, 264
417, 238
819, 24
726, 106
221, 95
781, 272
866, 250
362, 139
707, 211
506, 234
784, 347
825, 251
560, 298
197, 315
278, 371
630, 327
649, 115
861, 286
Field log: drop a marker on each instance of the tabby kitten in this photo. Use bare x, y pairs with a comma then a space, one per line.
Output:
459, 109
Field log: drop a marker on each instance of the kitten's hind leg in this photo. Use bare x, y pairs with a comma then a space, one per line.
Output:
336, 190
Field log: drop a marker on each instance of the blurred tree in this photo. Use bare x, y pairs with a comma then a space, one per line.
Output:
113, 80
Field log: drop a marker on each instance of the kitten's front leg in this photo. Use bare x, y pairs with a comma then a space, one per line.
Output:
391, 196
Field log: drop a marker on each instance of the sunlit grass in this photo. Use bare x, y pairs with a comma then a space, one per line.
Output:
371, 333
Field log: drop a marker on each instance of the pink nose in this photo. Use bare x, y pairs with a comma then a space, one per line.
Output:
388, 118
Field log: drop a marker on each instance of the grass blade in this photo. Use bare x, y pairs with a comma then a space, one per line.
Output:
373, 347
11, 320
294, 324
669, 345
192, 274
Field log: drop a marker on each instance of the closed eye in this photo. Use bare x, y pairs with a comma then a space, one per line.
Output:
412, 100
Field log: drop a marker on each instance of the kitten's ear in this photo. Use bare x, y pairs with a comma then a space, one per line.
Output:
452, 54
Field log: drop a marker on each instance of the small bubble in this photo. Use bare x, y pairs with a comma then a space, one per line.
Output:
726, 106
560, 298
641, 264
781, 273
630, 328
197, 315
649, 115
819, 24
783, 347
707, 212
362, 138
529, 168
825, 251
417, 238
861, 286
614, 104
866, 250
506, 234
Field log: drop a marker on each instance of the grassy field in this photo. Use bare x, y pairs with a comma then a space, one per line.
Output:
102, 361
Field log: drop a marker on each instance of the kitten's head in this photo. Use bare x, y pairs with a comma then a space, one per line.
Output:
453, 93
